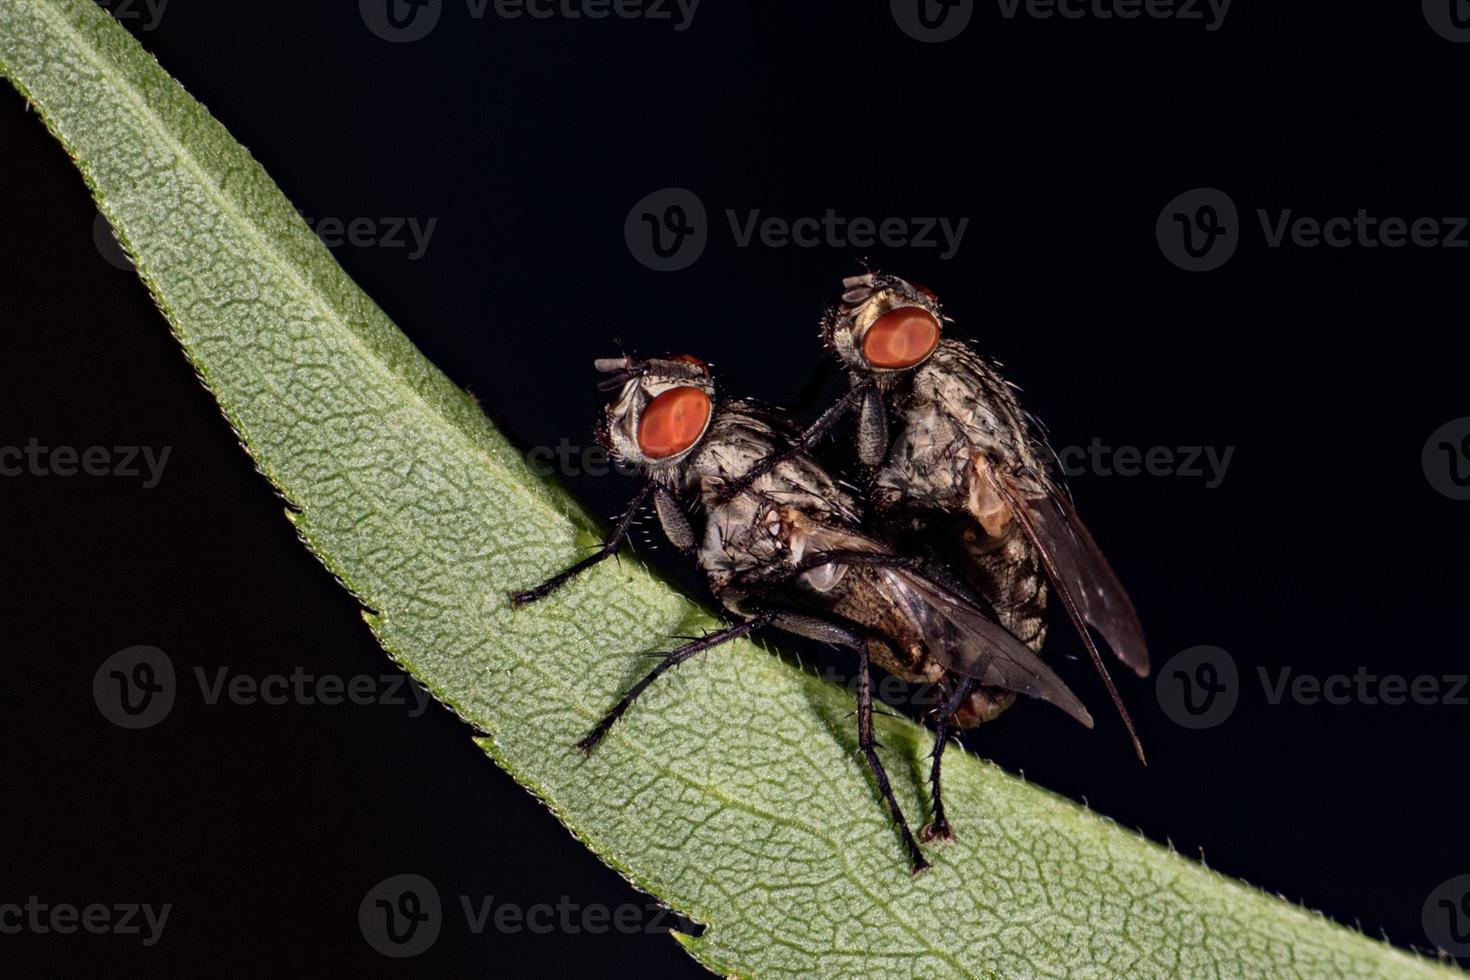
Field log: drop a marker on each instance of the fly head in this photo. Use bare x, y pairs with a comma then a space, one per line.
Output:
883, 325
661, 413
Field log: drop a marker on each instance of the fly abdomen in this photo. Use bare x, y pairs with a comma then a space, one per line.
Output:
865, 598
1007, 570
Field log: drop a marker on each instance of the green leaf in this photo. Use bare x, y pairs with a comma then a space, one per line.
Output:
732, 791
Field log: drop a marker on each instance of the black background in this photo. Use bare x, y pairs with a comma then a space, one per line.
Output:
1325, 547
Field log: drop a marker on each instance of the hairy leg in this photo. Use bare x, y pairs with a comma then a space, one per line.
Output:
670, 660
607, 550
938, 828
832, 630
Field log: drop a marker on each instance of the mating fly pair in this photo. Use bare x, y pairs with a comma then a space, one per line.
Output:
783, 545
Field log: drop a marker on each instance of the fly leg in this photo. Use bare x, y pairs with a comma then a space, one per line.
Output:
837, 632
606, 550
803, 443
938, 828
670, 660
872, 431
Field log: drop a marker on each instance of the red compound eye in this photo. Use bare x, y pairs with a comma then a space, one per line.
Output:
673, 422
926, 291
901, 338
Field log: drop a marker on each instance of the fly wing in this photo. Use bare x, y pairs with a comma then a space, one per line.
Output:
1078, 570
966, 641
1089, 590
956, 633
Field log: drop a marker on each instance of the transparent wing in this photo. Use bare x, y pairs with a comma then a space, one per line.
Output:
956, 633
1078, 570
1086, 585
965, 640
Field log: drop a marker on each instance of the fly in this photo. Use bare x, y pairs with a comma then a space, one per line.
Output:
964, 471
790, 551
